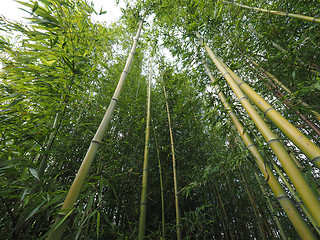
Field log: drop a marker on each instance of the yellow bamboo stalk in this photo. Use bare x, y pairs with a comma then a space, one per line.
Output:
292, 213
143, 203
286, 14
311, 150
60, 223
176, 192
308, 196
286, 89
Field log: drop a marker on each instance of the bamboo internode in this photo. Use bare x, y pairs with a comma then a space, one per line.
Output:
293, 214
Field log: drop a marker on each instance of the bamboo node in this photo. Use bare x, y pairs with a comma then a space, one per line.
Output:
265, 113
282, 197
241, 84
114, 99
95, 141
225, 74
315, 160
251, 145
242, 98
273, 140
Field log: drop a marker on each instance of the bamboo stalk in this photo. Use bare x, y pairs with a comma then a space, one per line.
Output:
176, 192
292, 213
286, 14
60, 223
310, 149
143, 204
161, 186
273, 212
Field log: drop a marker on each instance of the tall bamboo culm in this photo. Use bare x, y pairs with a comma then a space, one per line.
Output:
143, 203
291, 211
286, 14
59, 226
307, 195
176, 192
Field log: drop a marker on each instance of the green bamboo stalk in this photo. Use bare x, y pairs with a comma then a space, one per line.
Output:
175, 182
273, 212
60, 223
161, 186
309, 198
279, 83
286, 14
296, 197
143, 204
292, 213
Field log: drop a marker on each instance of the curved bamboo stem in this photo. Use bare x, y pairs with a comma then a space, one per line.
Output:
286, 14
293, 214
176, 192
143, 203
60, 223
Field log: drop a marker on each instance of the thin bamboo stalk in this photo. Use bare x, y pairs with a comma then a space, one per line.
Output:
161, 186
59, 226
176, 192
273, 212
281, 85
292, 213
308, 196
143, 204
296, 197
286, 14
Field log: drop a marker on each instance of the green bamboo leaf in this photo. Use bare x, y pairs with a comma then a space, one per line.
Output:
34, 173
34, 211
35, 7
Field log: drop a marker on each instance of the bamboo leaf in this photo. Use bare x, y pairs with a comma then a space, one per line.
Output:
34, 173
34, 211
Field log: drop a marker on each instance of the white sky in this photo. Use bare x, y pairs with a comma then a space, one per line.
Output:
10, 9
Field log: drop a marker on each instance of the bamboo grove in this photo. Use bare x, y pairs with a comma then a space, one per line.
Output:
182, 120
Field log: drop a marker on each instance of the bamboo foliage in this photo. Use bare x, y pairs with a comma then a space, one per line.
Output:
286, 14
143, 204
60, 223
175, 182
294, 216
286, 89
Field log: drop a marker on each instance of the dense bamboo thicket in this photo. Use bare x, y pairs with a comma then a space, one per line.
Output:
220, 140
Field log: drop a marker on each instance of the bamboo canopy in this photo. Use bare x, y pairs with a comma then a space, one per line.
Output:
293, 214
60, 223
143, 204
308, 196
286, 14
